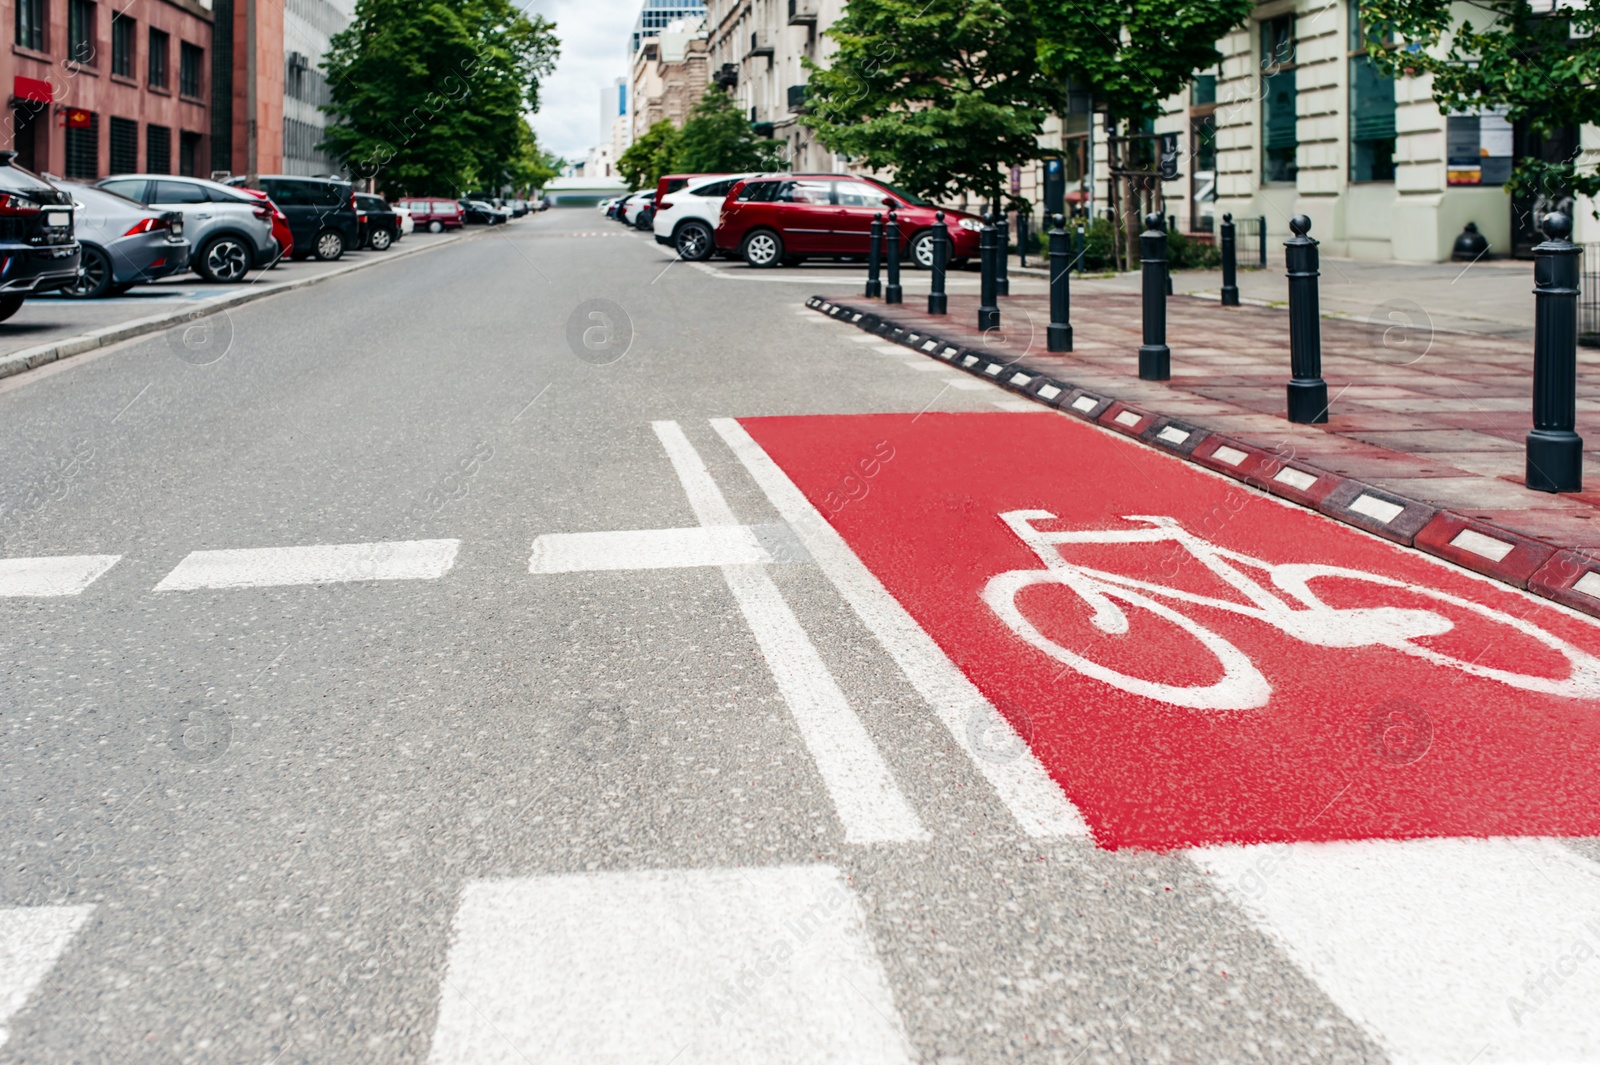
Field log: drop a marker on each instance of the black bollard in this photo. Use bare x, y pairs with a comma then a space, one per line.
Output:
938, 303
1082, 247
1002, 283
874, 255
1261, 231
1155, 358
1022, 240
988, 308
1059, 336
891, 239
1230, 263
1308, 392
1555, 450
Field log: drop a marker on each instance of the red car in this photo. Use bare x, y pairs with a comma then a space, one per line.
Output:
280, 224
783, 218
434, 213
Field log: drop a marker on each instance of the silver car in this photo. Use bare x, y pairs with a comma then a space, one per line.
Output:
230, 231
124, 243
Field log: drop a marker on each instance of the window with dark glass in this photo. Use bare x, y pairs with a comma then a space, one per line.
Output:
188, 153
122, 30
158, 149
158, 59
32, 18
1280, 135
190, 59
124, 146
83, 150
80, 31
1372, 132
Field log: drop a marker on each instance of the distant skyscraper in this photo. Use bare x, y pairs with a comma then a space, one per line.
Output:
655, 15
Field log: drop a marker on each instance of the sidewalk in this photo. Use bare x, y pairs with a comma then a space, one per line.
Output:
1431, 422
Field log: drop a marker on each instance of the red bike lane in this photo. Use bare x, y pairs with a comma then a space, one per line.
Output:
1195, 662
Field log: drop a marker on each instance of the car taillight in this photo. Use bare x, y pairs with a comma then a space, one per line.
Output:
352, 198
664, 205
12, 205
148, 225
261, 212
362, 218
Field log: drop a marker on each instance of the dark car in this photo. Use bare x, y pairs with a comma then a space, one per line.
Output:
784, 218
480, 213
37, 244
321, 211
124, 243
380, 226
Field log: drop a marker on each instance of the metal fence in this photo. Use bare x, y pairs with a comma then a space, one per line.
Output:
1251, 238
1589, 298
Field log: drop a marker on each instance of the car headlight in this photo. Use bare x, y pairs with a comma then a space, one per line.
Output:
972, 224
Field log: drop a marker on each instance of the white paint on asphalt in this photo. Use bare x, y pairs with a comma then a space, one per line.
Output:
265, 567
1444, 950
52, 576
703, 545
31, 939
864, 792
969, 384
1007, 763
759, 966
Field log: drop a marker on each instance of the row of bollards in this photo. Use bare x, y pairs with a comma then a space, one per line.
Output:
1554, 448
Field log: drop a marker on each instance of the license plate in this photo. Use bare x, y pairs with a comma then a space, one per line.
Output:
56, 219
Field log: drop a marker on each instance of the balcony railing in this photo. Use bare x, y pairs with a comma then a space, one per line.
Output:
760, 44
802, 12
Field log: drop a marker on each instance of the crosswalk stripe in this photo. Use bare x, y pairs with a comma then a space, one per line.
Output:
703, 545
31, 939
760, 966
1444, 950
52, 576
264, 567
864, 792
1010, 767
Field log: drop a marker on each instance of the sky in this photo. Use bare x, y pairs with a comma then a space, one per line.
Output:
594, 51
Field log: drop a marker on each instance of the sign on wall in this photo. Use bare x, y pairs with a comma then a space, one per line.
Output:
1478, 149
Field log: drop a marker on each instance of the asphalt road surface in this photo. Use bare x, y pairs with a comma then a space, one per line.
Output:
538, 650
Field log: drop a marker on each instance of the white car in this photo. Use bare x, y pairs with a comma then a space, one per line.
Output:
635, 208
687, 219
407, 223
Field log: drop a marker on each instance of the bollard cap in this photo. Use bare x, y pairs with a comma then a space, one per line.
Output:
1556, 226
1155, 220
1300, 225
938, 216
877, 216
1227, 217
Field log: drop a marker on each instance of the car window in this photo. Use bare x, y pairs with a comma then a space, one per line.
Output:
759, 192
719, 189
131, 188
371, 203
674, 184
329, 194
179, 192
15, 179
808, 192
859, 194
289, 193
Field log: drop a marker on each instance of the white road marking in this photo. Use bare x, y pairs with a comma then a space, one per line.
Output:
926, 366
1020, 406
1128, 418
760, 966
1444, 950
1009, 765
968, 384
1379, 510
31, 939
889, 349
864, 792
1173, 435
1483, 546
729, 545
54, 575
1084, 403
1295, 478
1230, 455
1588, 584
265, 567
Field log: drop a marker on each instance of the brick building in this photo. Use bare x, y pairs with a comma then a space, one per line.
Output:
670, 74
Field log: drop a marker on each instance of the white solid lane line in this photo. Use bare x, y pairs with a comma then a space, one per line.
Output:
703, 545
1011, 768
1444, 950
56, 575
265, 567
31, 939
869, 802
761, 966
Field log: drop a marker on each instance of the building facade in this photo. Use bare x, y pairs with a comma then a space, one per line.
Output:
670, 74
96, 90
656, 15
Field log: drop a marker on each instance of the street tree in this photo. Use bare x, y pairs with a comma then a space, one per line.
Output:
718, 139
1538, 65
429, 97
945, 93
650, 156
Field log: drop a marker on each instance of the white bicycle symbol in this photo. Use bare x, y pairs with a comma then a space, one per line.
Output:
1294, 610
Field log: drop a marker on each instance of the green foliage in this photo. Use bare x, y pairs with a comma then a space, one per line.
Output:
942, 92
429, 95
1541, 68
718, 139
650, 156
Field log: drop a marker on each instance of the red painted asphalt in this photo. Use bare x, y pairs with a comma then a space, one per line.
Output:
1408, 698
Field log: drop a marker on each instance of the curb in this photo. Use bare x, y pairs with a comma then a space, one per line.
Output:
19, 362
1561, 574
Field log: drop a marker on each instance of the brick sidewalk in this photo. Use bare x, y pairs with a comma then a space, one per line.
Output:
1435, 422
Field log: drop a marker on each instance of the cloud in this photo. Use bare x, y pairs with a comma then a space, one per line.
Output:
594, 51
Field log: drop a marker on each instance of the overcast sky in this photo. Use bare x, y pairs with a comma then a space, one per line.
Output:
594, 51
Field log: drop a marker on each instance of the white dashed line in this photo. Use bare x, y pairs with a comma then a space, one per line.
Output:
52, 576
265, 567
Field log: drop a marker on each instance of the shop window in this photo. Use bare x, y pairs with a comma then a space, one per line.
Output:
122, 30
1372, 108
124, 146
1280, 135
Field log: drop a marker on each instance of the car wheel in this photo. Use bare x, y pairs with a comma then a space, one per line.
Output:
436, 226
224, 259
762, 248
922, 250
94, 276
693, 241
381, 239
646, 220
9, 305
330, 245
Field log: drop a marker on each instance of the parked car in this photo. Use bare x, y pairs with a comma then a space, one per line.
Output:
380, 226
686, 217
544, 203
434, 213
777, 219
229, 230
124, 243
480, 213
518, 207
408, 225
639, 209
280, 225
37, 239
619, 212
322, 213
